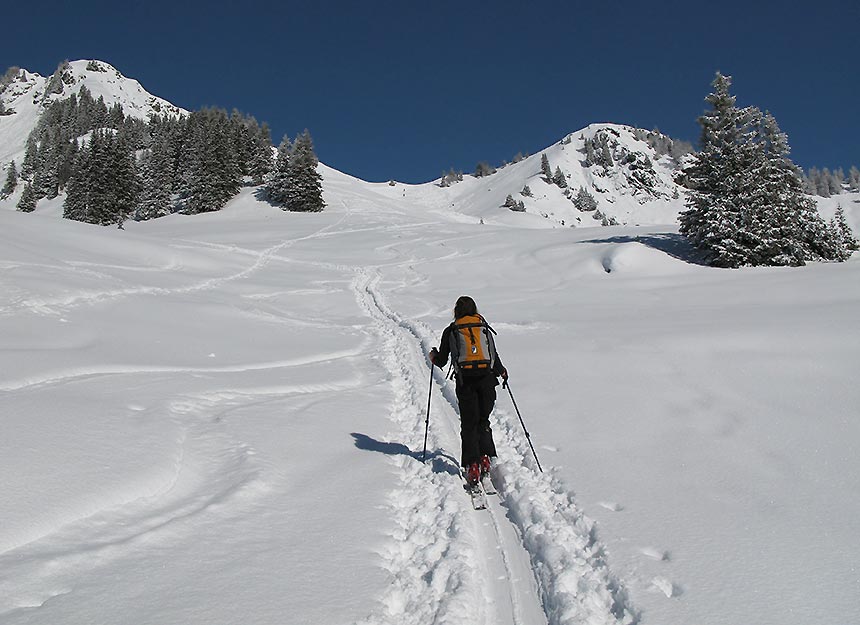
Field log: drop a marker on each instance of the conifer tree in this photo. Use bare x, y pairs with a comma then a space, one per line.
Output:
746, 204
483, 169
278, 182
854, 178
27, 203
545, 168
214, 175
558, 179
125, 190
155, 180
11, 180
261, 153
46, 181
584, 201
103, 187
305, 183
30, 163
848, 239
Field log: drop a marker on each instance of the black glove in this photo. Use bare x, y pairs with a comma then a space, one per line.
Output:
434, 354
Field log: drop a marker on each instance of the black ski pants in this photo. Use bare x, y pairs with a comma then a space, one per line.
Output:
476, 396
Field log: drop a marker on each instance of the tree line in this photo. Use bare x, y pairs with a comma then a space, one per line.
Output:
828, 183
114, 167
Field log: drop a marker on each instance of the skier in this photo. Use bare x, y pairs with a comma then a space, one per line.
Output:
469, 342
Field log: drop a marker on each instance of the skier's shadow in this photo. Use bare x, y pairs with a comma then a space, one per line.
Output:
440, 462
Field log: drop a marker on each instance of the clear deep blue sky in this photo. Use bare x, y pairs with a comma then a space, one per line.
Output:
405, 90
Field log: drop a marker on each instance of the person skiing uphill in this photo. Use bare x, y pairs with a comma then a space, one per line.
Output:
469, 342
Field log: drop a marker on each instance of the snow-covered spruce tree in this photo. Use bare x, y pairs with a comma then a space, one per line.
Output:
484, 169
46, 179
790, 230
854, 179
848, 239
11, 180
746, 204
103, 187
558, 179
305, 183
545, 168
27, 203
278, 180
76, 205
30, 163
584, 201
527, 192
156, 180
214, 175
260, 157
126, 188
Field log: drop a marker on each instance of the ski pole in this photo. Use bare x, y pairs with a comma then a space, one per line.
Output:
528, 436
427, 421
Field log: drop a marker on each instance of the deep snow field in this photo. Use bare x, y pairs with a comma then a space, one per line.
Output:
219, 419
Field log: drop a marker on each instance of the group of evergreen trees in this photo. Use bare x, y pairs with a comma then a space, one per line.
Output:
827, 183
746, 204
558, 178
295, 183
115, 167
52, 147
663, 145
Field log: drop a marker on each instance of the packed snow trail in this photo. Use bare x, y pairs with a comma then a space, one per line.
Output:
530, 558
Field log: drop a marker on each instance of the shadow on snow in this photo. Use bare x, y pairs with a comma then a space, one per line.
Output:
440, 462
671, 243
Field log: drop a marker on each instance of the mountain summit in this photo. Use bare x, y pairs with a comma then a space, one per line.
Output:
25, 96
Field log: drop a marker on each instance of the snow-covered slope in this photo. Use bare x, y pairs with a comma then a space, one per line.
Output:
219, 419
28, 95
634, 187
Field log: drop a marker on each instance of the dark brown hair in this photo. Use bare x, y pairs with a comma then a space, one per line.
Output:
465, 306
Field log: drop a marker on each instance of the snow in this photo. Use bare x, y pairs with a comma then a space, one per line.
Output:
220, 419
27, 97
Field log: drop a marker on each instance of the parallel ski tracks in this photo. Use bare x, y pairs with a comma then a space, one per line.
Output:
488, 577
532, 557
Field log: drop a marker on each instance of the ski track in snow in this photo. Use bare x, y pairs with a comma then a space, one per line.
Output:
532, 557
55, 305
106, 370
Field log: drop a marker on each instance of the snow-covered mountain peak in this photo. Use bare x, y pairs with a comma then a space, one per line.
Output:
608, 173
100, 78
25, 96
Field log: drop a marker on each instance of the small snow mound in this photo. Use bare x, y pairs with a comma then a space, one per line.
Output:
637, 258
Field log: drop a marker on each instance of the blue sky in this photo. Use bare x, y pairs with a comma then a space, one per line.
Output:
405, 90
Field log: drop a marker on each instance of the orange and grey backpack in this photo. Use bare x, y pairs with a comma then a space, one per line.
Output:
472, 347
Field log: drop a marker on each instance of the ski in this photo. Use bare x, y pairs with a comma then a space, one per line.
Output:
479, 498
487, 484
476, 494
